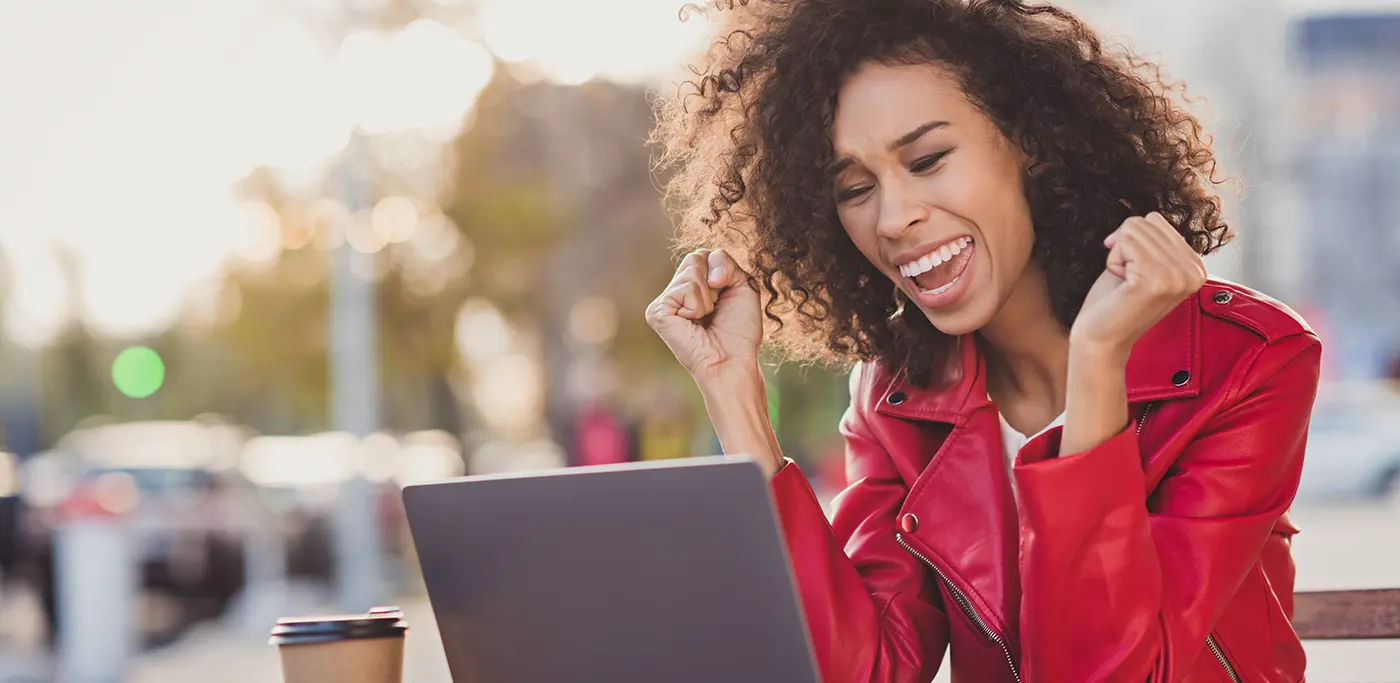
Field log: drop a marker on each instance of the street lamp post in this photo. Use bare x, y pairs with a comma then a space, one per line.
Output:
391, 88
354, 380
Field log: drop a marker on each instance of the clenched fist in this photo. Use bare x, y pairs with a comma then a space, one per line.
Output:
1150, 270
710, 316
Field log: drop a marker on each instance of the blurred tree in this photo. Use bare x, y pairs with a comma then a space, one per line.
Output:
70, 371
549, 201
588, 145
552, 197
274, 345
273, 349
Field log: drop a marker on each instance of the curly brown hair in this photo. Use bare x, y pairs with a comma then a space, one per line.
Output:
748, 141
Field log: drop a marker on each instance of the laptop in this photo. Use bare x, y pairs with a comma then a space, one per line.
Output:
669, 572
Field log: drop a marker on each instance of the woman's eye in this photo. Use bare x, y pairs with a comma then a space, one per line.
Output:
924, 164
853, 194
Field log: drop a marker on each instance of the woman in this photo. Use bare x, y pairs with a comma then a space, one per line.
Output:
1071, 454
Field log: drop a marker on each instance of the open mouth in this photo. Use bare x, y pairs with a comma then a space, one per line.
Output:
940, 269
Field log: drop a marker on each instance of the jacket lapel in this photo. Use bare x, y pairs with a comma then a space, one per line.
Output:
963, 499
1166, 362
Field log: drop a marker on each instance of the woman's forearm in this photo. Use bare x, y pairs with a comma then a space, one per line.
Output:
738, 409
1096, 398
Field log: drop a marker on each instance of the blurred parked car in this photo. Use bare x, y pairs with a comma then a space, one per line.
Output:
301, 476
11, 516
1353, 443
188, 507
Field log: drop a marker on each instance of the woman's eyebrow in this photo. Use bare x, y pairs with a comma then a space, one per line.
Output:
904, 141
913, 135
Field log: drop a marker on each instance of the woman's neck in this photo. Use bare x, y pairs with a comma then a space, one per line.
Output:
1027, 354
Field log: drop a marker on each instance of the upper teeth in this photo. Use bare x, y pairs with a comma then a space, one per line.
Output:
935, 258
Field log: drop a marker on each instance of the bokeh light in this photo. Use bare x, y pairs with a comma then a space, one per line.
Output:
9, 474
37, 305
482, 333
138, 372
509, 392
360, 233
116, 492
394, 219
261, 233
328, 219
297, 229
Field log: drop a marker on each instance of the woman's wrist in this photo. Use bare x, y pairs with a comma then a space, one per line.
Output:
1096, 398
737, 403
1102, 354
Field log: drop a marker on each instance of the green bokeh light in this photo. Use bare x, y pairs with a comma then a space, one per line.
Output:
138, 372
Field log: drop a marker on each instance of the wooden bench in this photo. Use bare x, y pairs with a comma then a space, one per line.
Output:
1347, 615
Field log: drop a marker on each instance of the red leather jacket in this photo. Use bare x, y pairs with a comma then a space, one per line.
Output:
1161, 555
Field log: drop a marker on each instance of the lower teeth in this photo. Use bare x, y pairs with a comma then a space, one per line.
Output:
944, 288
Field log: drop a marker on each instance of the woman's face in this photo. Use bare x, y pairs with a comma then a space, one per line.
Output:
930, 191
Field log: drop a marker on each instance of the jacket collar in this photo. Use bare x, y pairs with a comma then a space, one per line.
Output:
1164, 364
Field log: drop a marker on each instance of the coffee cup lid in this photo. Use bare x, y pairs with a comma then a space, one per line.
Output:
307, 630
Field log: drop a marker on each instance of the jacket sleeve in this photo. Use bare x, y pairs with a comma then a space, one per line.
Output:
873, 612
1118, 590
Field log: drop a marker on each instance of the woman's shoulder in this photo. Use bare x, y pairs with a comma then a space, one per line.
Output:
1247, 336
1234, 304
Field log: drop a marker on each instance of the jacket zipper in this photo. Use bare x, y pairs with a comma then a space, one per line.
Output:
966, 607
1220, 656
1142, 420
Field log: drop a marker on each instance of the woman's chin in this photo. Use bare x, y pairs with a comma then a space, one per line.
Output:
965, 320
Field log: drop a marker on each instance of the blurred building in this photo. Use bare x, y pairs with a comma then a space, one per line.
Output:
1348, 170
1303, 98
1233, 58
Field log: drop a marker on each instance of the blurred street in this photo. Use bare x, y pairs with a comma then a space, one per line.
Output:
1337, 549
1345, 547
215, 655
235, 649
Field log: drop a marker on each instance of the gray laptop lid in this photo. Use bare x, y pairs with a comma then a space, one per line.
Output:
650, 573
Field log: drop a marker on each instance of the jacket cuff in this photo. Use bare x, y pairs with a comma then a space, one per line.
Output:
787, 470
1113, 468
799, 512
1045, 446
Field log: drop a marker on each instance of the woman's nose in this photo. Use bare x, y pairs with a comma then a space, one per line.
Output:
900, 210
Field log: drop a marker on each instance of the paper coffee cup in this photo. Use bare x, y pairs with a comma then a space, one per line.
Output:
360, 648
